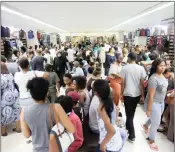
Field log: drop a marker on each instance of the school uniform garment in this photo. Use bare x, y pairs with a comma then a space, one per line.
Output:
132, 74
21, 79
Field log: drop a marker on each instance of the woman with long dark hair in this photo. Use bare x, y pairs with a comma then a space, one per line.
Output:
110, 138
154, 102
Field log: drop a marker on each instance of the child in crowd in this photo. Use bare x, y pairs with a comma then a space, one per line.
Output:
67, 104
76, 105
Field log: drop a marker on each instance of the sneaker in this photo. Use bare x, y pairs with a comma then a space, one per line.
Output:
131, 140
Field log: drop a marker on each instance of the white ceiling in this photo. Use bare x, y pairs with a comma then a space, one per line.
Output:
83, 16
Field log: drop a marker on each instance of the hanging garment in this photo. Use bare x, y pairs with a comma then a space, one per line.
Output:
142, 32
22, 34
130, 35
147, 32
38, 35
7, 32
30, 34
3, 31
138, 32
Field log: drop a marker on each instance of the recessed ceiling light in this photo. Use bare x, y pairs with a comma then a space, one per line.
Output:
3, 8
142, 15
61, 17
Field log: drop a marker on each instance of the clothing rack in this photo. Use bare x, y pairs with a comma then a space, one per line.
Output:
2, 47
171, 49
24, 41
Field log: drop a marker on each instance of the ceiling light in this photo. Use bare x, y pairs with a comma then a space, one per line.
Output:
31, 18
142, 15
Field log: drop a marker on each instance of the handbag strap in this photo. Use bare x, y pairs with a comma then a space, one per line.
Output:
52, 108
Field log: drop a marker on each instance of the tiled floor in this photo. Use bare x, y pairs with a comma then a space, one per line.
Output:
16, 143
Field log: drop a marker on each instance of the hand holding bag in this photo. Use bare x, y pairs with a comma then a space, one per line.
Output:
63, 138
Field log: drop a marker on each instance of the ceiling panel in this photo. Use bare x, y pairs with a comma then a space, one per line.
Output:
79, 16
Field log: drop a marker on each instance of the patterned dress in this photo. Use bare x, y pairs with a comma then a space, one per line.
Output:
10, 110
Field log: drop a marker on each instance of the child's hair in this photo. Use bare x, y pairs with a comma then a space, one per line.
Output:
38, 88
102, 89
48, 67
97, 71
91, 63
90, 70
66, 103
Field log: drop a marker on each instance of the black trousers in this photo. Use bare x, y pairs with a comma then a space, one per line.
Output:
60, 75
130, 107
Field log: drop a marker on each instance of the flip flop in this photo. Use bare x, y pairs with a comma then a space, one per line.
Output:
153, 146
4, 134
145, 130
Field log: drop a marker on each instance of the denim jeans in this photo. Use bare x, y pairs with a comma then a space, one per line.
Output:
155, 118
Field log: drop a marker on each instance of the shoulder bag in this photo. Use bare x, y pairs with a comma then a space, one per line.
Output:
63, 138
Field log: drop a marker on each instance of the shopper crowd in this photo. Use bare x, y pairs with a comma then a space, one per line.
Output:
53, 94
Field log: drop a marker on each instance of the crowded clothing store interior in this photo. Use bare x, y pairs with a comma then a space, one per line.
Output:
87, 76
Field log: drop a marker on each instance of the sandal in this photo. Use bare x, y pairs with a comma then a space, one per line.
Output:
4, 134
15, 130
153, 146
145, 129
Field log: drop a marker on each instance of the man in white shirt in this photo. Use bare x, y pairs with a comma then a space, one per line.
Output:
107, 47
21, 79
78, 70
93, 122
53, 52
133, 76
70, 56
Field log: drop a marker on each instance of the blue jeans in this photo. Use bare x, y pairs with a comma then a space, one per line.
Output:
155, 118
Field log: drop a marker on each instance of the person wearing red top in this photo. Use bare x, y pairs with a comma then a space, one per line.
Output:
67, 103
